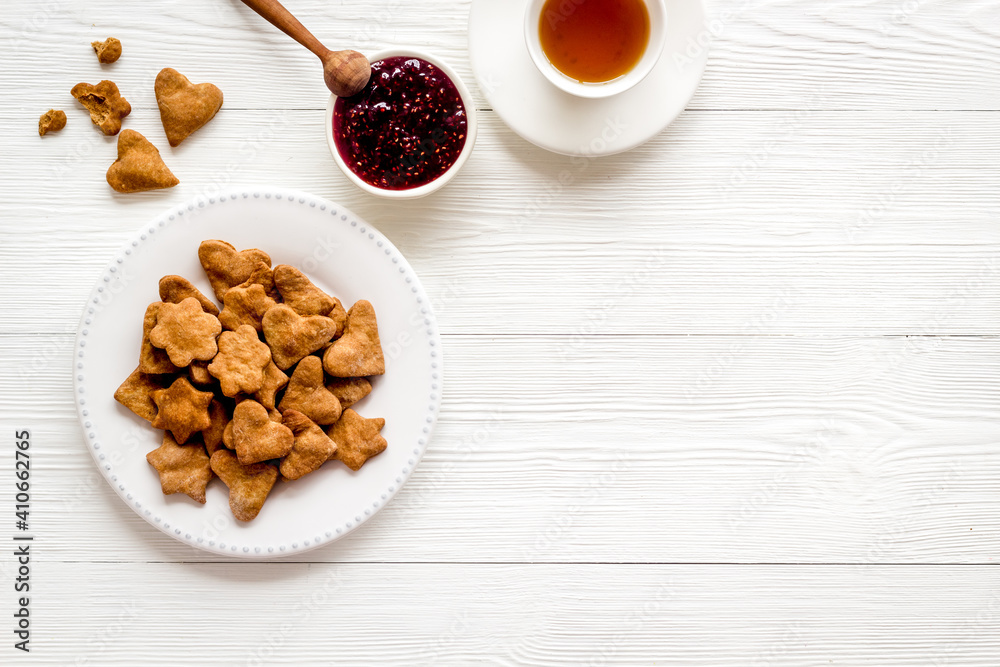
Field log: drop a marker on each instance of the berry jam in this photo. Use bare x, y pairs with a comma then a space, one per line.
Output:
405, 129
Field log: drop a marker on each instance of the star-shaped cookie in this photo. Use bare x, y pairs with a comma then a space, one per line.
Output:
182, 409
182, 468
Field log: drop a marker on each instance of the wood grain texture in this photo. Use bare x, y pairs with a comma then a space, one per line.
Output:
683, 236
642, 449
790, 54
728, 399
531, 615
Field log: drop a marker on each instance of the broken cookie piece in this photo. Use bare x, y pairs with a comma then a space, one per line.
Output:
52, 120
106, 105
108, 51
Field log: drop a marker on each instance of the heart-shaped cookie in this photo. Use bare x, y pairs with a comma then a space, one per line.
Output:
174, 289
307, 394
184, 106
312, 446
227, 268
257, 438
139, 166
358, 352
291, 336
245, 304
248, 484
298, 292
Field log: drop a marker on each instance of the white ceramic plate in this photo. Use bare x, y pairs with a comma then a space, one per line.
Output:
341, 254
563, 123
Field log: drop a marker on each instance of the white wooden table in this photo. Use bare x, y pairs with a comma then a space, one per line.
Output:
728, 399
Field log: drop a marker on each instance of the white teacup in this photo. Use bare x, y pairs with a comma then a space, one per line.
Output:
657, 36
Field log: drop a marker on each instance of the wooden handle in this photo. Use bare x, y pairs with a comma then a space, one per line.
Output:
276, 14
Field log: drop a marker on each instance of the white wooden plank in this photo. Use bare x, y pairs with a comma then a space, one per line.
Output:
157, 614
637, 449
836, 228
787, 54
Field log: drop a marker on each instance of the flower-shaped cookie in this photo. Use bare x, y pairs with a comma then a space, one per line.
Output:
186, 332
240, 363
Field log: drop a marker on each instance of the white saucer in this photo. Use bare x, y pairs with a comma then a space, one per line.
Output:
562, 123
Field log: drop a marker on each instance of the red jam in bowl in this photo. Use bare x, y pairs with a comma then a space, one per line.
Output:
405, 129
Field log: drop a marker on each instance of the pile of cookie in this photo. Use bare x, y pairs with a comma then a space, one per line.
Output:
184, 108
260, 390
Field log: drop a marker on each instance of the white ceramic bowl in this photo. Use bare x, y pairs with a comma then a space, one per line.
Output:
657, 37
439, 182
